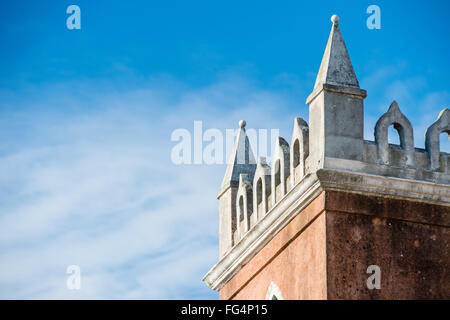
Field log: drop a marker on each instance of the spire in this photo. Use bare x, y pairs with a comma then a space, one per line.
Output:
336, 119
241, 160
336, 67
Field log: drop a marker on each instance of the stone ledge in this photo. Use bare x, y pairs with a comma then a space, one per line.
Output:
351, 91
387, 171
392, 187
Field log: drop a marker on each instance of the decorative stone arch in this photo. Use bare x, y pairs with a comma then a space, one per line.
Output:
299, 150
405, 131
273, 292
244, 205
261, 189
281, 167
432, 136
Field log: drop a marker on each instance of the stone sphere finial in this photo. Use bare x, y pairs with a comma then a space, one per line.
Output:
242, 124
335, 19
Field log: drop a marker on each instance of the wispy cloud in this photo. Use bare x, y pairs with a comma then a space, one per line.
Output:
86, 179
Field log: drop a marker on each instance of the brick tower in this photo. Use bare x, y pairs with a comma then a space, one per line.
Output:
336, 216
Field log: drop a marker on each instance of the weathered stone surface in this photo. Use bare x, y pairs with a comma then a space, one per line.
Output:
241, 161
299, 151
336, 67
261, 185
412, 256
395, 117
244, 207
280, 169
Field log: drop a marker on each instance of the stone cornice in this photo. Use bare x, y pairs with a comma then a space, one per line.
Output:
337, 89
303, 194
391, 187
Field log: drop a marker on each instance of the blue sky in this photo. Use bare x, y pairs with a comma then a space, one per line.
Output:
86, 118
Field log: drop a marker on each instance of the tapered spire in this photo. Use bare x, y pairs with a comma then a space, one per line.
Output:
336, 107
336, 67
242, 159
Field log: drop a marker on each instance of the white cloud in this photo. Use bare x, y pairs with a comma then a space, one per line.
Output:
88, 181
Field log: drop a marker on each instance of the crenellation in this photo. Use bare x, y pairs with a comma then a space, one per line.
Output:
299, 151
262, 187
244, 207
405, 131
396, 167
280, 170
330, 145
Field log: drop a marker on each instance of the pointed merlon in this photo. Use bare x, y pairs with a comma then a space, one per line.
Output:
394, 107
336, 67
241, 161
405, 130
